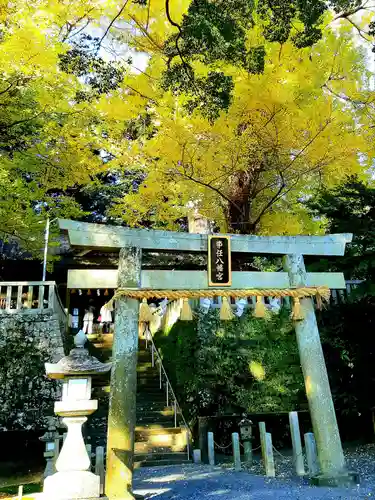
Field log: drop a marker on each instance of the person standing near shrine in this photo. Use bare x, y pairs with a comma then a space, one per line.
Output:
105, 317
88, 318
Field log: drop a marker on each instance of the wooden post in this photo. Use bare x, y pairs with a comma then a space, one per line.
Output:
236, 451
41, 297
122, 401
56, 452
197, 457
202, 435
262, 433
311, 454
296, 443
99, 466
248, 452
268, 456
211, 448
323, 417
89, 449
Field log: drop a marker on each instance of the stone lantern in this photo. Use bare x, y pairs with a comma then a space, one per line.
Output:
246, 433
51, 439
73, 479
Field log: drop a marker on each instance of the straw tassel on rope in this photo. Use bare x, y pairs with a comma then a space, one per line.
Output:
145, 313
297, 311
260, 310
226, 312
186, 312
319, 302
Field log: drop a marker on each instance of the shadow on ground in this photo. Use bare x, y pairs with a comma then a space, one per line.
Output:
205, 483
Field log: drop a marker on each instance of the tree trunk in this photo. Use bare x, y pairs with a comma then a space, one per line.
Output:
239, 211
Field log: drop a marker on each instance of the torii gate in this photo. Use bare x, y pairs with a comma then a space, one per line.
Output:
131, 278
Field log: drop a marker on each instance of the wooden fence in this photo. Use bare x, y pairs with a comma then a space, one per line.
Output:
30, 297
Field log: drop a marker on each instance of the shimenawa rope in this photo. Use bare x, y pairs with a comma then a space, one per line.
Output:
226, 313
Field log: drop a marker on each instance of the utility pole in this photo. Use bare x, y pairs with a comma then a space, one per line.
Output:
46, 239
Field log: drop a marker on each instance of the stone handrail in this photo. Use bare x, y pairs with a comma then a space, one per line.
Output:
170, 394
29, 296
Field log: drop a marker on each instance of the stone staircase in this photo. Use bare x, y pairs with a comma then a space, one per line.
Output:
160, 438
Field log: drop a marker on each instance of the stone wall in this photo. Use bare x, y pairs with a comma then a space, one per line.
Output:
27, 341
42, 326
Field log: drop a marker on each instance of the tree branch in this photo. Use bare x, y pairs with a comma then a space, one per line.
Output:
111, 24
208, 186
18, 122
7, 89
346, 14
142, 95
360, 31
145, 32
148, 15
185, 65
308, 144
271, 201
78, 31
72, 26
168, 13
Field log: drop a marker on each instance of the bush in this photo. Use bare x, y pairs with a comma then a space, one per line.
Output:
246, 364
347, 333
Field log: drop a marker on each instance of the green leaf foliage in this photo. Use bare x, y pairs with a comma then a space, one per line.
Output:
216, 32
246, 364
350, 208
350, 353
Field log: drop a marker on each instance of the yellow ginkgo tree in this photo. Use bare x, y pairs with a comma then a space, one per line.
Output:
306, 121
67, 116
49, 138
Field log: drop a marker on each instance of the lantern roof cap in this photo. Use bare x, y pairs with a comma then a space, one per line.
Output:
78, 362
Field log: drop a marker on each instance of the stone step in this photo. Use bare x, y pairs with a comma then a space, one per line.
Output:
149, 385
146, 447
150, 392
145, 383
167, 411
164, 421
153, 389
165, 424
147, 396
149, 373
144, 432
160, 463
144, 367
151, 406
144, 353
151, 397
144, 358
173, 456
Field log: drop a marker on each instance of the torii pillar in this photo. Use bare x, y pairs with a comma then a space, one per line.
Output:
122, 402
322, 411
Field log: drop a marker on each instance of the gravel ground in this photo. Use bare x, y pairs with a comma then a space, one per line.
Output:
195, 482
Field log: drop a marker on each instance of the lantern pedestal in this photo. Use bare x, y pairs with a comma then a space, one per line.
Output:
73, 479
70, 485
